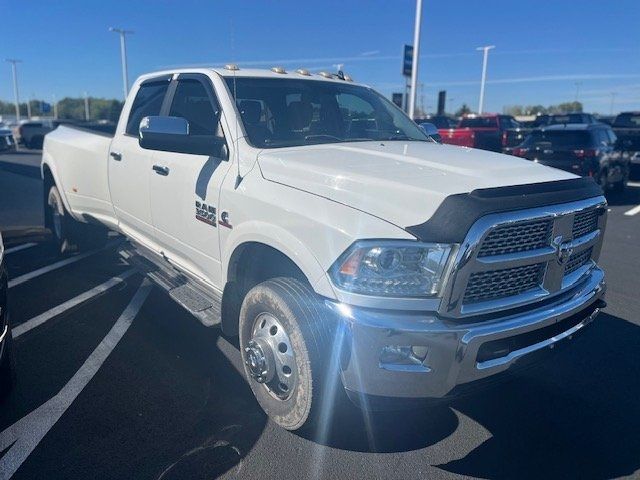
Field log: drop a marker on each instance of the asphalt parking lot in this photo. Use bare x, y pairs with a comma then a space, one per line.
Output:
116, 381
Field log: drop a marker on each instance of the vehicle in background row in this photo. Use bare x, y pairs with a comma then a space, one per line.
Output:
31, 132
7, 142
496, 133
559, 119
7, 359
626, 126
312, 218
608, 119
589, 150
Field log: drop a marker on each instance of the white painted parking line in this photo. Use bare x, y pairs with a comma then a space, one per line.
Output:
633, 211
634, 184
83, 297
54, 266
25, 435
17, 248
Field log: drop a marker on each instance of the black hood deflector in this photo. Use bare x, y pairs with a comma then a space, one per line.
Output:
454, 217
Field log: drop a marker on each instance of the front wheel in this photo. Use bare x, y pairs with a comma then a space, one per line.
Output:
286, 340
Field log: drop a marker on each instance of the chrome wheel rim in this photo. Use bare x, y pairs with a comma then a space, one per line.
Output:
269, 357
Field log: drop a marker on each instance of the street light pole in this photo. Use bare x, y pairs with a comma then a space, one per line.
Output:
414, 65
613, 100
16, 97
123, 56
484, 74
86, 107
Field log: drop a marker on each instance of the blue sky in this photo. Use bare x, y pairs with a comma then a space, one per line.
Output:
543, 47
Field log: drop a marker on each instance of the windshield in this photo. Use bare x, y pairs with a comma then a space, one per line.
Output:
559, 138
288, 112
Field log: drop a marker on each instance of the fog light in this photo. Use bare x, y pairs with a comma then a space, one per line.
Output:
403, 355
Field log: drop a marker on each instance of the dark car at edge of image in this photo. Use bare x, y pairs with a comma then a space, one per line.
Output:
588, 150
7, 370
626, 126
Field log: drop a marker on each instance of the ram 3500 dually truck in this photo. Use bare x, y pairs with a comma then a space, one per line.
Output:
311, 217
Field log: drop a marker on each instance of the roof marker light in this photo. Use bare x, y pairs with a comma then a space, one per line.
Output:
278, 70
326, 74
302, 71
348, 78
231, 66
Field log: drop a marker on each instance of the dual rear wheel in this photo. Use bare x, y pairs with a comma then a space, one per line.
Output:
68, 234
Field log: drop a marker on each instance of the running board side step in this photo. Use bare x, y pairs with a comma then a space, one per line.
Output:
203, 303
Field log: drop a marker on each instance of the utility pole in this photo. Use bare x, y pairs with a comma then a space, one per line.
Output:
16, 97
485, 51
416, 56
123, 55
29, 107
578, 85
86, 107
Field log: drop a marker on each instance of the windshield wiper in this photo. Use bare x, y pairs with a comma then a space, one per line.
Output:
323, 136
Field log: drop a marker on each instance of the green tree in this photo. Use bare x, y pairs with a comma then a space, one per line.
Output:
463, 110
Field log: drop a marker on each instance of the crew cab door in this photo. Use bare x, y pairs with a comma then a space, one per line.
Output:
185, 188
129, 164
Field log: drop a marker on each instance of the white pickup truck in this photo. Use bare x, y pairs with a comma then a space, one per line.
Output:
311, 217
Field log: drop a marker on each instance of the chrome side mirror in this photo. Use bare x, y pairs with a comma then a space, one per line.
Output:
171, 134
431, 130
164, 126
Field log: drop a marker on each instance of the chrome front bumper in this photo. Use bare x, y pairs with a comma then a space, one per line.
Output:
456, 352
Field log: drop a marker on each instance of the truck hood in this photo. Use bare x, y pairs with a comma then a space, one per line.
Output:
400, 182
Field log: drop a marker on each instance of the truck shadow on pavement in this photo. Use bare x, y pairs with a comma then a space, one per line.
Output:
574, 415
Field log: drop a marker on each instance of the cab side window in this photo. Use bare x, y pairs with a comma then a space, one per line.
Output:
192, 102
148, 102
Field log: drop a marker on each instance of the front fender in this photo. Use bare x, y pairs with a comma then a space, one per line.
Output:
277, 237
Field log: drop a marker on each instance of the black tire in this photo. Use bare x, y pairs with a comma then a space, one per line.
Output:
7, 363
311, 330
68, 234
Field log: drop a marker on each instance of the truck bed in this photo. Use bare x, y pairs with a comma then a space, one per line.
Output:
81, 159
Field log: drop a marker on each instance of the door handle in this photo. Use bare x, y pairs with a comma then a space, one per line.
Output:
116, 156
160, 170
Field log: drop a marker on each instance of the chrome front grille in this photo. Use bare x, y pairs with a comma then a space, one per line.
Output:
585, 222
519, 237
515, 258
484, 286
578, 260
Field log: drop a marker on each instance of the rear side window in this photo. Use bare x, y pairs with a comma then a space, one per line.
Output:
192, 102
148, 102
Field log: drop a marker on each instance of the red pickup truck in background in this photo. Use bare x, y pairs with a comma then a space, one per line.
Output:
497, 133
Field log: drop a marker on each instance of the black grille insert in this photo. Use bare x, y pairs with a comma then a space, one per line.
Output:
519, 237
483, 286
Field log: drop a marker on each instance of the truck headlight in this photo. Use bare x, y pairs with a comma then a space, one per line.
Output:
394, 268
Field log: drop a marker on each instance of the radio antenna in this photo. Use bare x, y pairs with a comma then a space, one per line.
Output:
235, 101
